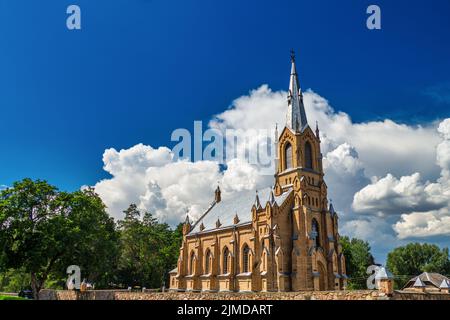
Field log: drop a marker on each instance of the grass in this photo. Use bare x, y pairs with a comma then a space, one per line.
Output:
11, 298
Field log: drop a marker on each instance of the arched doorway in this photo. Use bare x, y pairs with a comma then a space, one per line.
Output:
322, 276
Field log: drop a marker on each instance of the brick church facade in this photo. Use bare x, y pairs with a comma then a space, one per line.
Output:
283, 238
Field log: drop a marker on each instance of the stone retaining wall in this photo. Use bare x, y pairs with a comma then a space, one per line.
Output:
126, 295
305, 295
405, 295
47, 294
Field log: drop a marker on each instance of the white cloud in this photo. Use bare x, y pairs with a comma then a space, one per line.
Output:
390, 195
344, 159
240, 176
423, 206
150, 178
424, 224
344, 169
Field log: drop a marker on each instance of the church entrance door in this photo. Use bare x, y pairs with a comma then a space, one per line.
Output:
322, 277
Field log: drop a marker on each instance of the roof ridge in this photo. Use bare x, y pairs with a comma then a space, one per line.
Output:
240, 203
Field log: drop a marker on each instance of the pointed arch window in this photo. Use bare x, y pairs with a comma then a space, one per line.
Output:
208, 262
225, 261
192, 263
308, 155
264, 261
315, 233
246, 259
288, 156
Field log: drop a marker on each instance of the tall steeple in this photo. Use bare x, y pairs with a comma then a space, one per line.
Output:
275, 145
296, 115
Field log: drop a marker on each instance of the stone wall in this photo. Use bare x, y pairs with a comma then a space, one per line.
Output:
408, 295
305, 295
47, 294
126, 295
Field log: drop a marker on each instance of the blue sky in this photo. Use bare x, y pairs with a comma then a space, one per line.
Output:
140, 68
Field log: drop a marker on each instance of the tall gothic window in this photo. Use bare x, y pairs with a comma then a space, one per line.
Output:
288, 156
308, 156
315, 234
225, 261
192, 263
208, 262
245, 258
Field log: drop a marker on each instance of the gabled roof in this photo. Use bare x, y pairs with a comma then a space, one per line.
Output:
174, 270
240, 205
418, 283
427, 278
445, 284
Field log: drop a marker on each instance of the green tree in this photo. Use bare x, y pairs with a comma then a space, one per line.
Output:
149, 249
415, 258
14, 280
357, 259
42, 231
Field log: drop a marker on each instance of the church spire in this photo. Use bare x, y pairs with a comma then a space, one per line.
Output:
296, 115
275, 145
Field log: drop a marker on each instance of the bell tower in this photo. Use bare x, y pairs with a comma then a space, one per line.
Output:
299, 167
298, 147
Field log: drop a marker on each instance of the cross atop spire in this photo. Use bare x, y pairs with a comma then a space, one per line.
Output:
296, 115
292, 55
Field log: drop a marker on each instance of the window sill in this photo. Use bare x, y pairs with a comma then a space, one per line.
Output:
244, 275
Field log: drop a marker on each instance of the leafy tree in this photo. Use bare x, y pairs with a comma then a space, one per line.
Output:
149, 249
42, 231
415, 258
357, 259
13, 280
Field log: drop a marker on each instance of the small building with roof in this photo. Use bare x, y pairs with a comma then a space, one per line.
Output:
428, 282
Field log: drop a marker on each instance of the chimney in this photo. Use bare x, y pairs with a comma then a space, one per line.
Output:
385, 281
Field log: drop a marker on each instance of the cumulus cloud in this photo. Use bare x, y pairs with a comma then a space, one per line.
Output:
435, 222
424, 224
390, 195
343, 167
423, 206
150, 178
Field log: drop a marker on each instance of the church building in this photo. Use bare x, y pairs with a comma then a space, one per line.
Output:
283, 238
